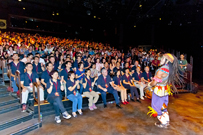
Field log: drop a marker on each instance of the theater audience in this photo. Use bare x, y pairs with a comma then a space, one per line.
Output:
69, 59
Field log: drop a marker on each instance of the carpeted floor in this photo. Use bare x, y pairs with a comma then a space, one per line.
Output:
186, 115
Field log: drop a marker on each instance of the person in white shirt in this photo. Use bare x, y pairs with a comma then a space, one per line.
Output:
94, 71
28, 58
49, 49
99, 65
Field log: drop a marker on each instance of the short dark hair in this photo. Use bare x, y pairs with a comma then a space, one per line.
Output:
67, 62
79, 64
52, 72
16, 54
28, 64
48, 64
36, 57
29, 54
70, 73
87, 70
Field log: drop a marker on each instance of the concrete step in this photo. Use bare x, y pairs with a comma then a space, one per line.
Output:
8, 100
4, 94
22, 128
9, 108
14, 118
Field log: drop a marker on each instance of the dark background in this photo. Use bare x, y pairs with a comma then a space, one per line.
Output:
175, 24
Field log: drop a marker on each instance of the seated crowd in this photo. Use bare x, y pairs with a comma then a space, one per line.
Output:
73, 68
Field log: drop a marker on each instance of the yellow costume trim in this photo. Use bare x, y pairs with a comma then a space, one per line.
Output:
169, 90
151, 111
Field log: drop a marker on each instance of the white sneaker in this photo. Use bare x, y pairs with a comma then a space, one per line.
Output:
66, 115
57, 119
142, 98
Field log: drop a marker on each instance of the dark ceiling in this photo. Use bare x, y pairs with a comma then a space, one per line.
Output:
119, 11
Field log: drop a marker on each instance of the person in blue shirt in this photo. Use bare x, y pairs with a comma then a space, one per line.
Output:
54, 63
106, 66
147, 75
46, 77
117, 67
88, 63
119, 87
40, 51
105, 84
76, 62
54, 88
27, 80
128, 84
30, 50
88, 91
135, 66
138, 81
64, 72
16, 65
73, 94
37, 67
80, 74
91, 52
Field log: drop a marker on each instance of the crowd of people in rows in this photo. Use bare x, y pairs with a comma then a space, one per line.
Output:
72, 68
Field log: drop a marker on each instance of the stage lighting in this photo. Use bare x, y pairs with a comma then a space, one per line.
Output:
95, 17
160, 19
23, 8
140, 6
134, 26
53, 14
25, 21
57, 13
19, 0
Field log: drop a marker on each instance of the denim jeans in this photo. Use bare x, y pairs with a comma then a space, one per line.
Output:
15, 88
77, 101
133, 90
58, 105
81, 88
112, 91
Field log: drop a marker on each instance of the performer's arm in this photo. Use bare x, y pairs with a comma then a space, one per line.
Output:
157, 78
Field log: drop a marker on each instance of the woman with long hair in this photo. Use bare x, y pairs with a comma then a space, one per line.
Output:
119, 87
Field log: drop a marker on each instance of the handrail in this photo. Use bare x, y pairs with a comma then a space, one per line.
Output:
9, 74
17, 79
35, 85
38, 98
2, 69
65, 89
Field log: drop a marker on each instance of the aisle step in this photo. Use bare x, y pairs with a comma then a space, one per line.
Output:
8, 100
4, 93
9, 107
3, 88
13, 118
22, 128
